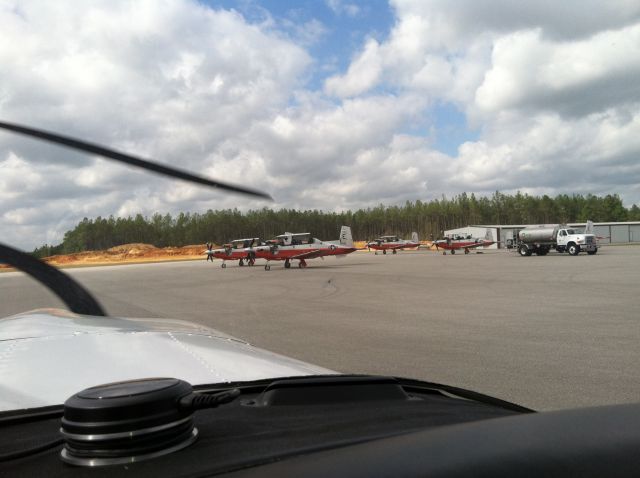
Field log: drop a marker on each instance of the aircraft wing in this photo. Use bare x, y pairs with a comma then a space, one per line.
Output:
308, 254
473, 246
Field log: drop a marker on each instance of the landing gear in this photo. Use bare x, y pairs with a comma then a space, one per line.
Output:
224, 265
241, 262
394, 251
302, 264
466, 251
444, 253
453, 251
267, 267
287, 264
251, 258
384, 251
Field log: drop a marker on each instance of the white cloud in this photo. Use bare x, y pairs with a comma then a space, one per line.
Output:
364, 73
341, 7
572, 77
551, 90
171, 80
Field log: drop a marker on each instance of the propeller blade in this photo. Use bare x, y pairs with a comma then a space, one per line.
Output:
128, 159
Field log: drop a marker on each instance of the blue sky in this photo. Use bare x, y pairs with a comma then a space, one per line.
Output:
346, 26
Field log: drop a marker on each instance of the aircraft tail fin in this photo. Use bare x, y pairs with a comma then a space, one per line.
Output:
414, 237
345, 236
488, 235
589, 228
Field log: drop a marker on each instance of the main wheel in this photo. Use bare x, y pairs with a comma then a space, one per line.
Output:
287, 264
224, 266
453, 251
384, 251
394, 251
573, 249
524, 250
240, 262
267, 267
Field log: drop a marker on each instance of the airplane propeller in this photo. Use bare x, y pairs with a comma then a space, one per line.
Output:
129, 159
76, 297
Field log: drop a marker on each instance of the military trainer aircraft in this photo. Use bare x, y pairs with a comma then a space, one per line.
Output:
393, 243
241, 250
466, 243
301, 246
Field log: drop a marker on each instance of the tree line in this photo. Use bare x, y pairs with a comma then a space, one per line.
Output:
428, 218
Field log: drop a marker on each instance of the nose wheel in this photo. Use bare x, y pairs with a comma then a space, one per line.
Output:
267, 267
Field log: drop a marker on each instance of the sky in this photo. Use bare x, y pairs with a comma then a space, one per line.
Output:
330, 104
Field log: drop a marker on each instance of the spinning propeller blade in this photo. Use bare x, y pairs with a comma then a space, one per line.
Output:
129, 159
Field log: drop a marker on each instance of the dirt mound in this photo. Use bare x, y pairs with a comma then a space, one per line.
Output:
133, 249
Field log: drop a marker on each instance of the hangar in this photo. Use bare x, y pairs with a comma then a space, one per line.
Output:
505, 234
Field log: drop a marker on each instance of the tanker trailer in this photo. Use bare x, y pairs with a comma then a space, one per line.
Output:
540, 240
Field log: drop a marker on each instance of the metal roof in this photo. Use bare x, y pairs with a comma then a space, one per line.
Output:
572, 224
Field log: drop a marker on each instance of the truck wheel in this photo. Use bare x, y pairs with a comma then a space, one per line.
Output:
573, 249
542, 252
592, 252
524, 250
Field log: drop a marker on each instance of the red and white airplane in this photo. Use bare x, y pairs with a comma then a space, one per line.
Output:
393, 243
288, 247
466, 243
241, 250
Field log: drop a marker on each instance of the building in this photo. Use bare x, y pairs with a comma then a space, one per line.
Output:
505, 234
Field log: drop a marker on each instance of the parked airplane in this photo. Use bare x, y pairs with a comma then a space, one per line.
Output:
302, 246
393, 243
241, 250
454, 243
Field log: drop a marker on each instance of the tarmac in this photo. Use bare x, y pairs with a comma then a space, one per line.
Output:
545, 332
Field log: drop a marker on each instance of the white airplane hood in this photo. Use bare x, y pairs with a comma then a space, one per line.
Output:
48, 355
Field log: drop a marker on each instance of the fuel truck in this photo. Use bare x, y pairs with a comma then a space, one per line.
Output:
540, 240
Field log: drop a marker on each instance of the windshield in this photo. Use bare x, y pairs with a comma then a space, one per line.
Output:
365, 121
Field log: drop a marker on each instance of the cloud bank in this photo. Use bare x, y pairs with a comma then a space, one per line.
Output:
548, 91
